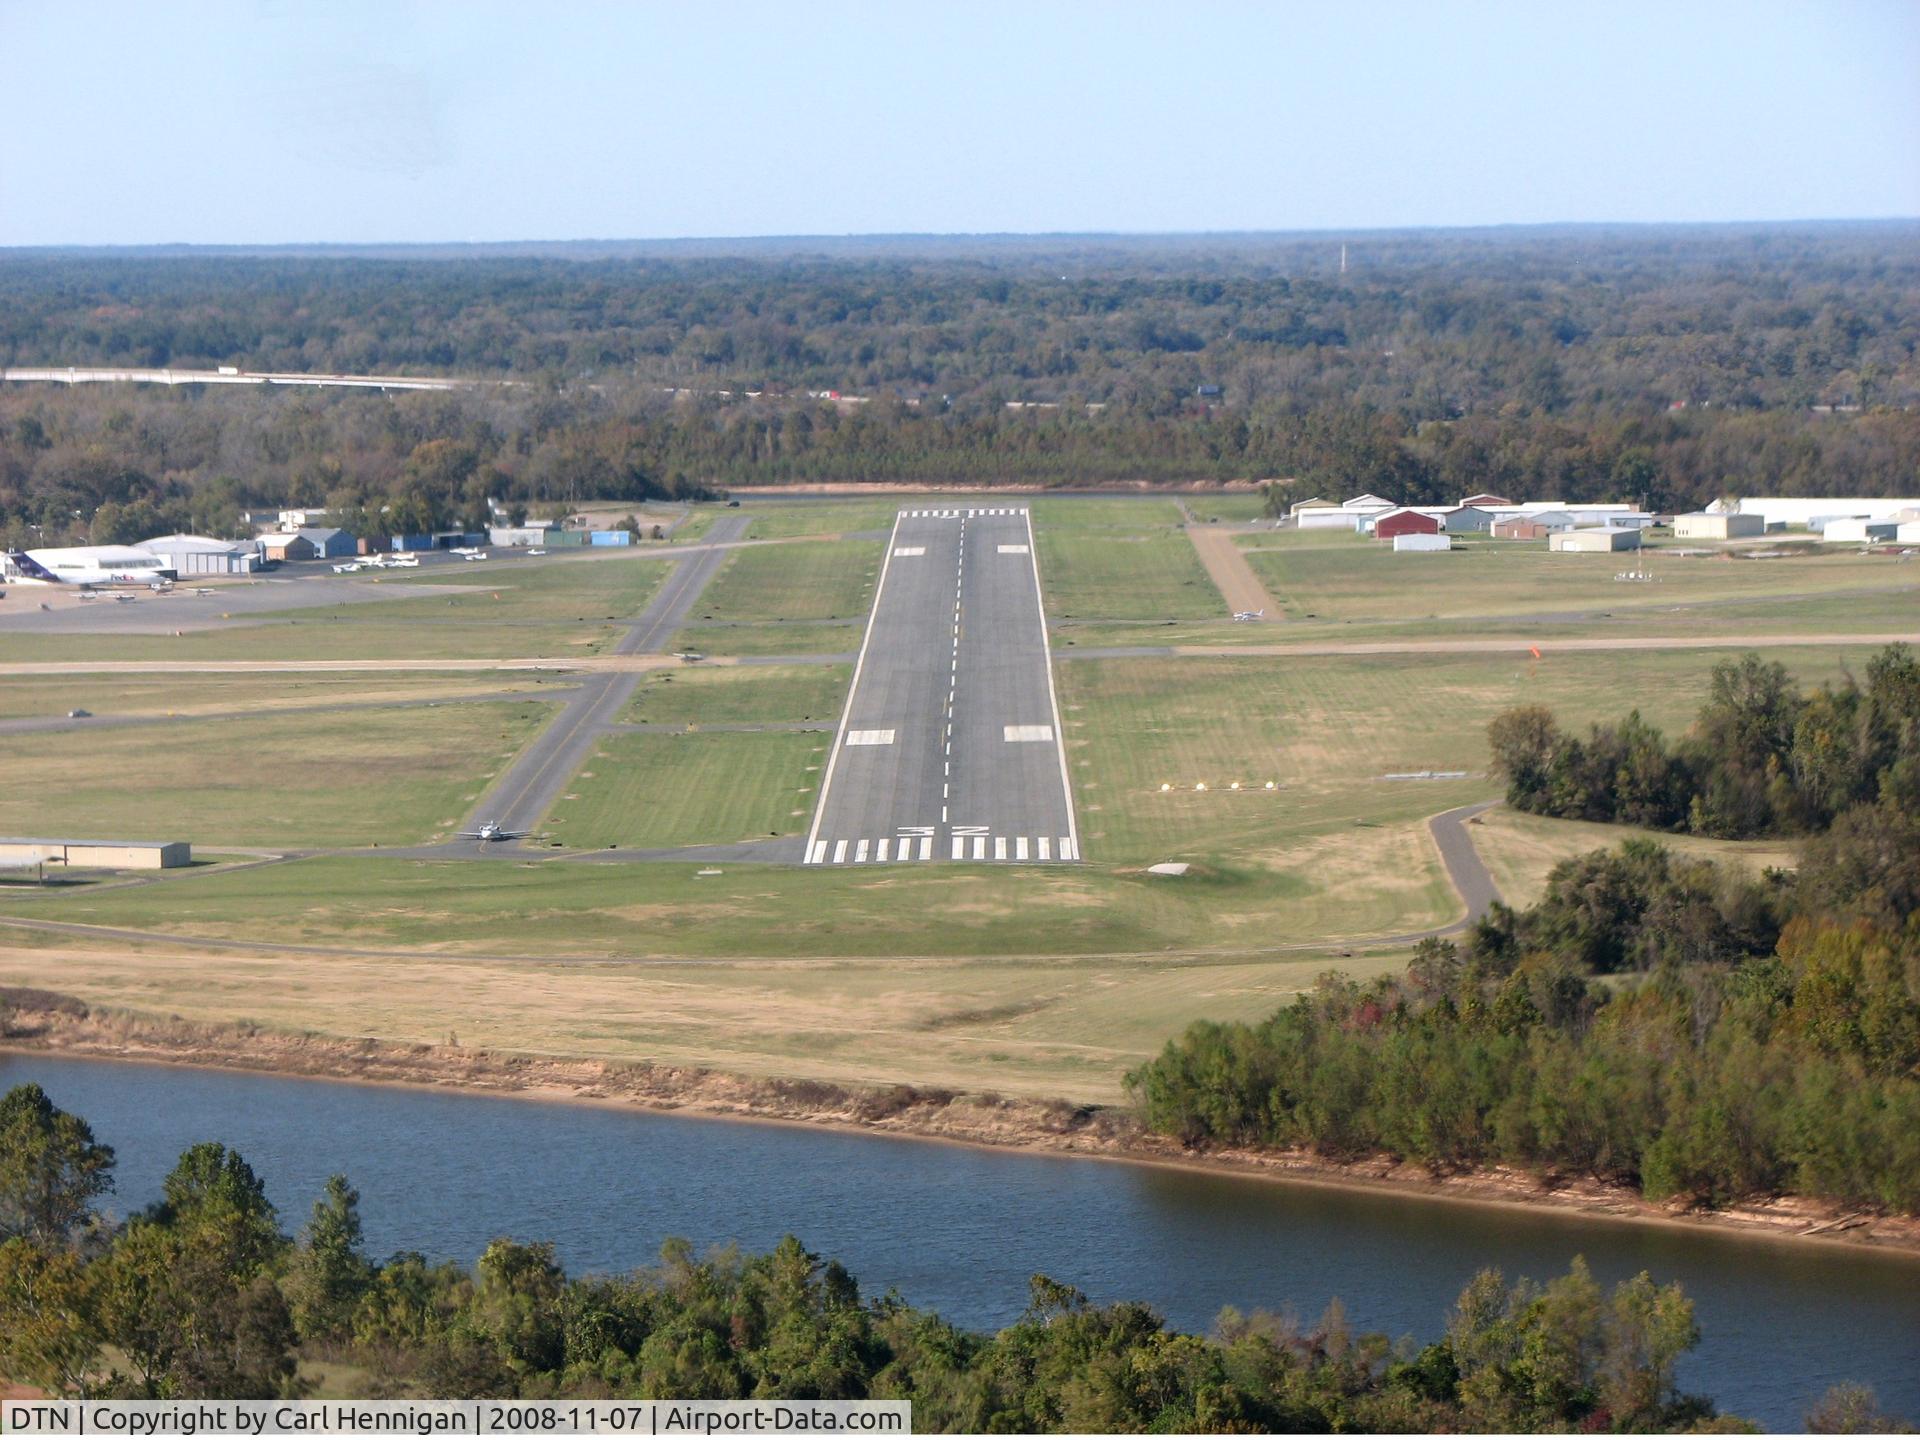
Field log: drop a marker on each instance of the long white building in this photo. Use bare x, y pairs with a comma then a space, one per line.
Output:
1799, 512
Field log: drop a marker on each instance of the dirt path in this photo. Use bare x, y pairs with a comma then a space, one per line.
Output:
1239, 586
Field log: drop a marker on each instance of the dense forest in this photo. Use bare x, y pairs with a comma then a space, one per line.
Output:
202, 1295
1664, 365
1667, 1024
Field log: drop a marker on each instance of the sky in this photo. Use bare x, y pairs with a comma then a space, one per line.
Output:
288, 121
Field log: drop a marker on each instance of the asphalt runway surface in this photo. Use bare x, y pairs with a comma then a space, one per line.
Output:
950, 746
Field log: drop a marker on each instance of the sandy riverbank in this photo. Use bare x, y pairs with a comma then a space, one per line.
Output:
40, 1021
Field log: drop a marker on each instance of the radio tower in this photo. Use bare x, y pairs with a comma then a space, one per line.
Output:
1343, 259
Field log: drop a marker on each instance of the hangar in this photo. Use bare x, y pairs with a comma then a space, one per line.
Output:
1596, 541
203, 555
18, 852
1406, 522
1705, 525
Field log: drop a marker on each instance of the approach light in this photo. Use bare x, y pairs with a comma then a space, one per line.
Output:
1270, 785
1201, 786
1165, 787
1234, 786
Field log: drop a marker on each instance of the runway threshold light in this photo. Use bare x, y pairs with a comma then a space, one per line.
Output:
1201, 786
1165, 787
1234, 786
1270, 785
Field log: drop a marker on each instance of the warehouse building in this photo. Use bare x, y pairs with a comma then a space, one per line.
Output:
1705, 525
16, 852
1860, 532
1599, 540
203, 555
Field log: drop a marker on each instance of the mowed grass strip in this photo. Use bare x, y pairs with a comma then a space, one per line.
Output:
372, 777
740, 695
806, 518
1519, 850
556, 907
810, 580
660, 791
51, 697
1353, 580
1016, 1026
840, 637
1133, 517
1099, 575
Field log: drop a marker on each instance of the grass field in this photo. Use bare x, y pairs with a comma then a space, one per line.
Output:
1227, 509
740, 694
557, 607
1348, 580
31, 696
1133, 517
838, 637
368, 777
655, 791
1091, 574
823, 580
773, 521
1067, 1027
1324, 729
1519, 849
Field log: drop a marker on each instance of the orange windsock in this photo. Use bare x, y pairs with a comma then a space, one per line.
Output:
1536, 651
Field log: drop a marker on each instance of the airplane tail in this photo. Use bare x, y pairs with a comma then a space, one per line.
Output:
22, 566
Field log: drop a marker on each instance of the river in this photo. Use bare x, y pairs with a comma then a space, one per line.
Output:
960, 1230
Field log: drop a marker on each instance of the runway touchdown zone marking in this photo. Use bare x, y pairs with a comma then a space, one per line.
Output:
870, 737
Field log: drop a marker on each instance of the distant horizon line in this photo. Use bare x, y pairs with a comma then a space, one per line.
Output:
797, 238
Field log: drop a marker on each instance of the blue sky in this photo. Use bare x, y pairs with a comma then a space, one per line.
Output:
272, 121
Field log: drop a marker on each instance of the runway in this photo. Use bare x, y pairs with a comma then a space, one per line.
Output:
950, 746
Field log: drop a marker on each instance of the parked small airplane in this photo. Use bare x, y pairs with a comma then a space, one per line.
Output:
471, 554
351, 567
1259, 614
491, 831
470, 551
689, 655
536, 552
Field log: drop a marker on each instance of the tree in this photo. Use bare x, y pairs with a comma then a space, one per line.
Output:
329, 1273
47, 1335
1524, 741
51, 1167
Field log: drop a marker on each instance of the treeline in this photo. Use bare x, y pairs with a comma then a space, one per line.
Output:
1765, 1052
1763, 758
203, 1296
1430, 325
1544, 365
